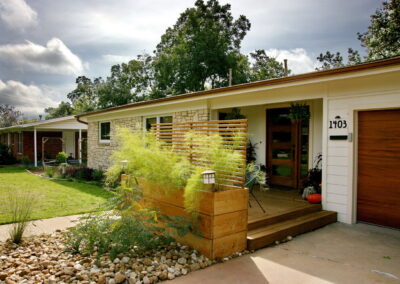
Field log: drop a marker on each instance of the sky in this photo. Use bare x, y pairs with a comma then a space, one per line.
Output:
46, 44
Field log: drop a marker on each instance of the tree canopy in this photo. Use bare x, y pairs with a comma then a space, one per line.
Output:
199, 49
195, 54
9, 116
381, 40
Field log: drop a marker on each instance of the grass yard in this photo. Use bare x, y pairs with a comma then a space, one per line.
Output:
52, 198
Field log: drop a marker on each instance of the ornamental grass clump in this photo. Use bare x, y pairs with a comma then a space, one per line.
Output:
212, 152
19, 205
145, 158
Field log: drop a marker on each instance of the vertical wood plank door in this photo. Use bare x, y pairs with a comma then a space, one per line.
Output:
378, 185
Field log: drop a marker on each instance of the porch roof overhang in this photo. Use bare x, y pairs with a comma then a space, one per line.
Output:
364, 69
56, 124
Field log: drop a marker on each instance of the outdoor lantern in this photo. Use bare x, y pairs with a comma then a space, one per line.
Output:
208, 177
124, 163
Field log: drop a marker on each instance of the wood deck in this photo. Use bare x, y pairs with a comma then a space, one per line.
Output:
286, 214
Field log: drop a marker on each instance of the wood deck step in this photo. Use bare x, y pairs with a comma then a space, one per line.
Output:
266, 235
280, 217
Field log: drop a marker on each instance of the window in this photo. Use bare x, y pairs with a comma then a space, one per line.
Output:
150, 121
157, 119
105, 131
20, 143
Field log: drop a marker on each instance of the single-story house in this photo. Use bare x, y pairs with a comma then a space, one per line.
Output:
354, 124
52, 136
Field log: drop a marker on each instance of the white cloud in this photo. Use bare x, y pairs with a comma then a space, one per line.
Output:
298, 59
31, 100
55, 57
117, 59
17, 14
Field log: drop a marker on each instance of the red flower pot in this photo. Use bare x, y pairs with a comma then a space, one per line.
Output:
314, 198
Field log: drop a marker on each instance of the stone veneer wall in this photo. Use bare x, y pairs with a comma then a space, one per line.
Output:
192, 115
99, 153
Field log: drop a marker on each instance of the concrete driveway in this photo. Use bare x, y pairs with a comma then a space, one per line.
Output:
337, 253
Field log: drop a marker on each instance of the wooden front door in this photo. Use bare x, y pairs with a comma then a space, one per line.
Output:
378, 184
287, 149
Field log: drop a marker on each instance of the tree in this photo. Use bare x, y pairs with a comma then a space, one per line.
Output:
265, 67
9, 116
335, 60
85, 98
63, 109
382, 39
383, 36
199, 49
129, 82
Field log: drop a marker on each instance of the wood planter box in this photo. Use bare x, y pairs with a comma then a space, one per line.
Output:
222, 218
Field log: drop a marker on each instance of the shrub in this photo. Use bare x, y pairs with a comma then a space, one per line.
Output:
19, 205
97, 175
128, 227
49, 171
6, 156
25, 161
61, 157
70, 171
84, 173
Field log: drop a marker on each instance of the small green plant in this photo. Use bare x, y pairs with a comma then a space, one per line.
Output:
25, 161
97, 175
19, 205
49, 171
299, 111
61, 157
128, 227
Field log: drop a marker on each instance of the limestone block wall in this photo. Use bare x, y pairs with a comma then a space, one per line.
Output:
98, 152
192, 115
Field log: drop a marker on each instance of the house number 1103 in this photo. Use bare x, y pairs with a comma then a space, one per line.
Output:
337, 124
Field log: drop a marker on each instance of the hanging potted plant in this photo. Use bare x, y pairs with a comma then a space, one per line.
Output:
299, 112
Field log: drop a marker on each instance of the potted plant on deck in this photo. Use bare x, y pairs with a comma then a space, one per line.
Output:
312, 190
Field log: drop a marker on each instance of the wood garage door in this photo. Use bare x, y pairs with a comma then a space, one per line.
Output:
378, 196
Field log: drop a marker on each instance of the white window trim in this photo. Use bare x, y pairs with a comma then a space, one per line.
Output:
105, 141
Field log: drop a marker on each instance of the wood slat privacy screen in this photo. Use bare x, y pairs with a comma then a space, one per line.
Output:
232, 132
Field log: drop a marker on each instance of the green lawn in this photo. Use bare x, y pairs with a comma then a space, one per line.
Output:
52, 198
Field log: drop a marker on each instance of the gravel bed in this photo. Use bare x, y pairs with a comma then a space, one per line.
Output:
43, 259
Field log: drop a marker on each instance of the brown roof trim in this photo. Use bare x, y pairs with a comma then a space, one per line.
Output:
294, 78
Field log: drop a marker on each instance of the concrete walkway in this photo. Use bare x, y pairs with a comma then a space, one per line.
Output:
44, 226
337, 253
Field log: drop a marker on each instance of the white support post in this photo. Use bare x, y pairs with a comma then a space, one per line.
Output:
35, 146
80, 146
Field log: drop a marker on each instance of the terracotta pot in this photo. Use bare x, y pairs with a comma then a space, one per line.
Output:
314, 198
